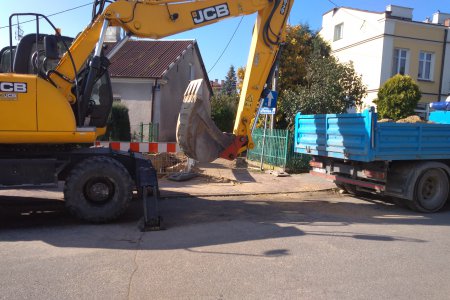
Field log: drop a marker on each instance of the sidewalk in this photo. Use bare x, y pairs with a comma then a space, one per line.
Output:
219, 178
223, 178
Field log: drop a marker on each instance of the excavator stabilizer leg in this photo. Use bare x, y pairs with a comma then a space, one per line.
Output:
197, 134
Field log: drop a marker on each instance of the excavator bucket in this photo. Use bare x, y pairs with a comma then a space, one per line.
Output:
197, 134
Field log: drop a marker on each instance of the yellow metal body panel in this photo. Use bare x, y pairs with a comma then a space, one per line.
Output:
34, 111
54, 112
26, 137
17, 105
101, 131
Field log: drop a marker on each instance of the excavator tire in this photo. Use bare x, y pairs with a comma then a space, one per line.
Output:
197, 135
98, 189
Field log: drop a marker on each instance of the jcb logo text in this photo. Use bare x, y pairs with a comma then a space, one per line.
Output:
210, 13
15, 87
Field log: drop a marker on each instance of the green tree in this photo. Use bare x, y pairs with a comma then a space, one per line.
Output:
223, 110
398, 97
240, 78
311, 80
328, 87
302, 44
229, 85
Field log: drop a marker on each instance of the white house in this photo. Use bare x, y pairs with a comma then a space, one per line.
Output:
382, 44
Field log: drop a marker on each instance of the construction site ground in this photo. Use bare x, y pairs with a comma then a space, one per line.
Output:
232, 233
222, 177
218, 178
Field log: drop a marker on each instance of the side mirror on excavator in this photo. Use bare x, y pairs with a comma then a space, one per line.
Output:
51, 47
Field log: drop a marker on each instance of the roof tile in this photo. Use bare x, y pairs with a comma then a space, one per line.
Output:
145, 59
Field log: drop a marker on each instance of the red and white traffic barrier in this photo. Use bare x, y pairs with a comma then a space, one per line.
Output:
141, 147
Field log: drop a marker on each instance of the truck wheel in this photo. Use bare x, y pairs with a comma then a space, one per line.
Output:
431, 191
341, 186
352, 190
98, 189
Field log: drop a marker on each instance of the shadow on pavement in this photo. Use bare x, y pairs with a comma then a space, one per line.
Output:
197, 222
243, 175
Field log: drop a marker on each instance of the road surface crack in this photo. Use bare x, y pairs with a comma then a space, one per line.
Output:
136, 266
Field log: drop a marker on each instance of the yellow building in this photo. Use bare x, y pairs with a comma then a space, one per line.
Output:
382, 44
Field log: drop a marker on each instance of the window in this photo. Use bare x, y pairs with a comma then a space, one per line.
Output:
5, 59
426, 65
338, 32
400, 63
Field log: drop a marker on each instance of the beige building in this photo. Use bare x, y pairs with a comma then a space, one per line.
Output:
382, 44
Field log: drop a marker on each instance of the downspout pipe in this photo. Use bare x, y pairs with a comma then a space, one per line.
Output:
442, 65
153, 99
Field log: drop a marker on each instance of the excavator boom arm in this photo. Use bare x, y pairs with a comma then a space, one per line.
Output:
158, 19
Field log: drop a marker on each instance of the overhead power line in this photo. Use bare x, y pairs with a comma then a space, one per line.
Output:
353, 15
51, 15
220, 56
332, 2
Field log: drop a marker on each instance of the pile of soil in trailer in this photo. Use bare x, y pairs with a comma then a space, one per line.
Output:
410, 119
166, 163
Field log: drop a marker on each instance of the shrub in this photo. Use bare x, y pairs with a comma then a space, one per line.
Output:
298, 164
118, 126
398, 97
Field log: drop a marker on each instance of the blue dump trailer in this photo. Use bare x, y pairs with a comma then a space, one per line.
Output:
409, 161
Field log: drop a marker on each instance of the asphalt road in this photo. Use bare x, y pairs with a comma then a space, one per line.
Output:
286, 246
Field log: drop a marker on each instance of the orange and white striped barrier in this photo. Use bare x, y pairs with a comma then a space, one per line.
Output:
141, 147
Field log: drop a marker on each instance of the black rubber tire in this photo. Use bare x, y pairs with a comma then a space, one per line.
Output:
98, 190
352, 190
341, 186
431, 191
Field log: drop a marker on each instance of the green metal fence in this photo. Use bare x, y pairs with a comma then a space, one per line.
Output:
276, 147
145, 132
272, 147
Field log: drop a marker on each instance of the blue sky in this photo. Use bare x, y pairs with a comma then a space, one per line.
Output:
211, 39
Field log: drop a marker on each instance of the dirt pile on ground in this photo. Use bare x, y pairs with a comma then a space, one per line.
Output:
386, 120
168, 162
411, 120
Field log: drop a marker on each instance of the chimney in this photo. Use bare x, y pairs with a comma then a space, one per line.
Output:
222, 82
440, 17
447, 22
216, 81
401, 12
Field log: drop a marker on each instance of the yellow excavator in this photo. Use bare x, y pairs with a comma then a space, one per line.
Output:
55, 98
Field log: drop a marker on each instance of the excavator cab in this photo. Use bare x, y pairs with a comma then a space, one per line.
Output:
39, 54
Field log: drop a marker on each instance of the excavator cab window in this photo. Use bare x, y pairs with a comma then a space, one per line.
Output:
30, 55
100, 102
5, 59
